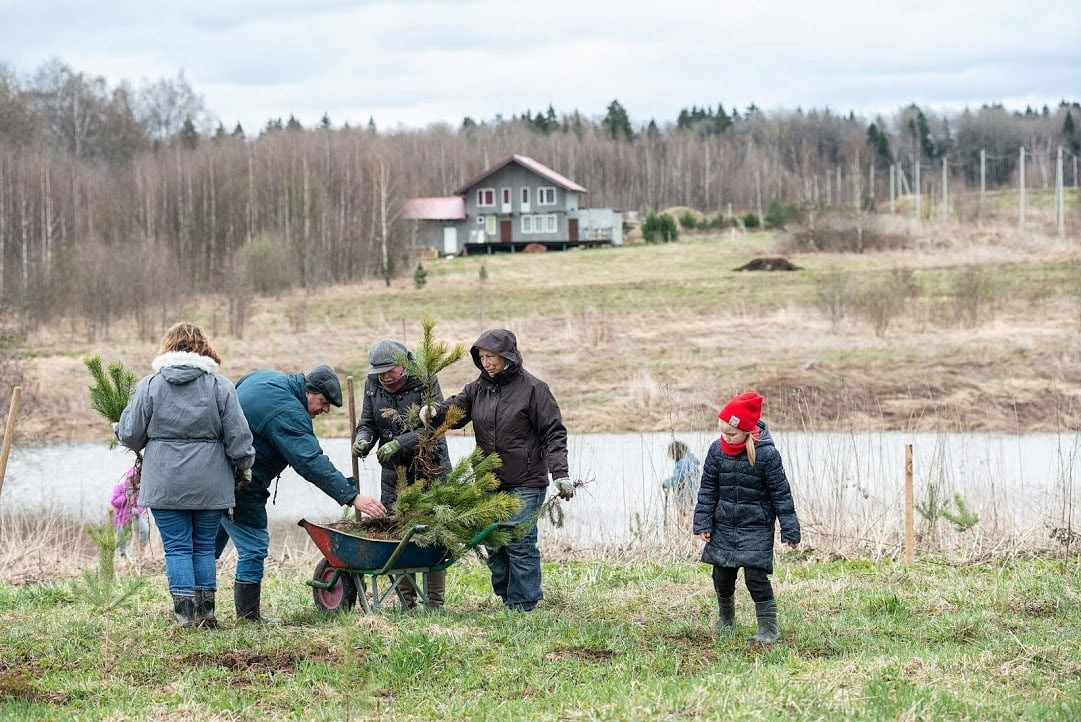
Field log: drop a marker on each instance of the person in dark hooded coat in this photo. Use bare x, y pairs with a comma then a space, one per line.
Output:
515, 415
744, 493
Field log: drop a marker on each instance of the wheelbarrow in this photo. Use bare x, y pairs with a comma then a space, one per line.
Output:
349, 560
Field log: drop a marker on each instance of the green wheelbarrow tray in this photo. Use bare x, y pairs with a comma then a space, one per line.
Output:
342, 577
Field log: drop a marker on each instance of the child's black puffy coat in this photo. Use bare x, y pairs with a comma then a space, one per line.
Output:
740, 505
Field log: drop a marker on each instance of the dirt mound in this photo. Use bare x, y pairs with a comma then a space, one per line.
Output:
775, 263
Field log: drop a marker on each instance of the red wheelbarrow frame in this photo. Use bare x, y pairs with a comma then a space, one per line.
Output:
339, 578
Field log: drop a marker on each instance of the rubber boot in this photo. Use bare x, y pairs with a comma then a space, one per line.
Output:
184, 609
437, 587
726, 619
204, 609
246, 596
767, 622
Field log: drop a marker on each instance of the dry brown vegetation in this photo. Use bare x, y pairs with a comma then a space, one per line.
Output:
653, 338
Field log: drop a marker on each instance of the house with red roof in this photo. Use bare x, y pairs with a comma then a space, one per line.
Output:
516, 203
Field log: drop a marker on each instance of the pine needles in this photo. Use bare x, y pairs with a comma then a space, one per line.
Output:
112, 387
457, 508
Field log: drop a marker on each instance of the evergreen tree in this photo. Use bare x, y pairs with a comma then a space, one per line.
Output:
238, 131
617, 123
324, 122
293, 124
189, 136
879, 145
1071, 138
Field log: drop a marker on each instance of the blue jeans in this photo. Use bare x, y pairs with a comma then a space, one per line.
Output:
188, 539
252, 545
516, 567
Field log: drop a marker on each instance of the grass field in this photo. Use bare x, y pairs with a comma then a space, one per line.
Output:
614, 640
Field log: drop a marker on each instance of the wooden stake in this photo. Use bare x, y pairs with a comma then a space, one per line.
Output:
352, 430
910, 536
16, 393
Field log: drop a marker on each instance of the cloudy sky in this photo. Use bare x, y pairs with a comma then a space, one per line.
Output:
410, 63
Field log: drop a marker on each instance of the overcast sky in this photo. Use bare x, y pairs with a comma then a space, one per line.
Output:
412, 63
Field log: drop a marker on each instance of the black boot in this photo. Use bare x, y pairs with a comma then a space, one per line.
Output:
726, 619
246, 596
184, 609
767, 622
204, 609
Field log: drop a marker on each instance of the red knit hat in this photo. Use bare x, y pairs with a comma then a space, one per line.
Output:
743, 411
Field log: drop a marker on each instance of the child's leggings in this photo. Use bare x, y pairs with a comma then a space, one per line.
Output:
757, 579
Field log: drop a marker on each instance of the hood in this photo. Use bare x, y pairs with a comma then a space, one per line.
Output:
180, 367
763, 438
503, 342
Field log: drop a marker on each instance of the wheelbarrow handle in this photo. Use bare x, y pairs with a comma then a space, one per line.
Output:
415, 529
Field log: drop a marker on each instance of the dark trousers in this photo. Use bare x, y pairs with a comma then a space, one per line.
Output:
757, 580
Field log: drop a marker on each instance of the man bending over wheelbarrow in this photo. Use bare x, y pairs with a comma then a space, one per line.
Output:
279, 409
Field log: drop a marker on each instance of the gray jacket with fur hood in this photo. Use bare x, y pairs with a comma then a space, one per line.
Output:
186, 419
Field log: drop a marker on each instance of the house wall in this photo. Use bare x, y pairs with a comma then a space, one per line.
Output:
598, 224
544, 222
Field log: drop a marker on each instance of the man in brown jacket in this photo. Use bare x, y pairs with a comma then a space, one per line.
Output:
514, 415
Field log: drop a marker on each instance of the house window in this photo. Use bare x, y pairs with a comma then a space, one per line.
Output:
485, 197
546, 196
480, 221
525, 196
489, 225
553, 223
527, 224
506, 196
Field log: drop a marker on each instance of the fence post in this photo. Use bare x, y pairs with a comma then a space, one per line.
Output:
910, 535
16, 393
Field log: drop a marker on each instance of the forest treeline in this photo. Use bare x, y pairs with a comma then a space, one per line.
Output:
120, 202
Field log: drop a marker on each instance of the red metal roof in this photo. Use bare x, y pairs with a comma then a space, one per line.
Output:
531, 165
435, 209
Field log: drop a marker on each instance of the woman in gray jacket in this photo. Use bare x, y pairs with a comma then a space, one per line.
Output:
195, 441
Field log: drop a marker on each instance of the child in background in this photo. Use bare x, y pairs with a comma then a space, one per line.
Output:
125, 493
744, 493
683, 483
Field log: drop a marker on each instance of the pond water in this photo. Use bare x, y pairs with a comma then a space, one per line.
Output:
847, 487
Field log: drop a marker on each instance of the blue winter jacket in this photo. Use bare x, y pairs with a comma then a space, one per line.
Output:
277, 411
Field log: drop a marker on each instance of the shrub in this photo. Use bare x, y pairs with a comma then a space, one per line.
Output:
718, 221
777, 214
420, 276
750, 220
688, 221
834, 296
973, 291
882, 302
659, 227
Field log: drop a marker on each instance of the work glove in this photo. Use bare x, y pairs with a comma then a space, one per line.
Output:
387, 451
426, 415
242, 477
566, 488
360, 448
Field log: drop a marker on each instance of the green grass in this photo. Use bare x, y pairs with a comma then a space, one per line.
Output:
630, 640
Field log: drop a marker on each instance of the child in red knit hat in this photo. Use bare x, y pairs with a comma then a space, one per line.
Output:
744, 493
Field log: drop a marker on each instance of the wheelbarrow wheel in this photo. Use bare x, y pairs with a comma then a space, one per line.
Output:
339, 598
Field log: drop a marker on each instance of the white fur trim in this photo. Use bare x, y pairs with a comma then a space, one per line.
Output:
185, 358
